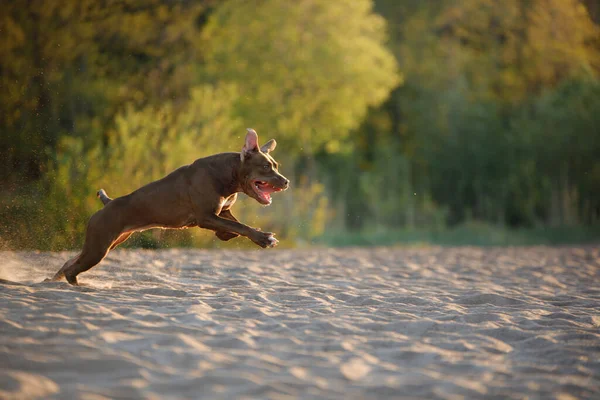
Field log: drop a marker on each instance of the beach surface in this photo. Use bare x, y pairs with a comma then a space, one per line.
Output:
435, 323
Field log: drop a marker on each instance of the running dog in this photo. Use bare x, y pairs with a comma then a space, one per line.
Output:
199, 194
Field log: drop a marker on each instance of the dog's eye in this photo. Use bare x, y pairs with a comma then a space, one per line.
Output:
266, 167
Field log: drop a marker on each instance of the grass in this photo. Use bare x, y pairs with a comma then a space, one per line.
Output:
472, 234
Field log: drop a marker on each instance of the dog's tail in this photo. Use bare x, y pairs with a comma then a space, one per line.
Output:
103, 196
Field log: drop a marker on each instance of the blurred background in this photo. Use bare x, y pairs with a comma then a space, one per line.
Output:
398, 121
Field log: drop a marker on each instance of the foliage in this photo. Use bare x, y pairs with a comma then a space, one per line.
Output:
474, 118
307, 70
562, 127
68, 66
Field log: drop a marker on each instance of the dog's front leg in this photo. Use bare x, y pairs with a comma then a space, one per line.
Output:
219, 224
225, 236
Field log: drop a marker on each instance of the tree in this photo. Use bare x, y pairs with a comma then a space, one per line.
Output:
472, 68
307, 69
66, 67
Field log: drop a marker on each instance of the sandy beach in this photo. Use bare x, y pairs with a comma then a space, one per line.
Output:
441, 323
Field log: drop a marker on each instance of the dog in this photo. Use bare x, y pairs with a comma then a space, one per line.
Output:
199, 194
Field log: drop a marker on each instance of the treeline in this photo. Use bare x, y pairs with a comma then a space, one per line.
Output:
389, 115
498, 119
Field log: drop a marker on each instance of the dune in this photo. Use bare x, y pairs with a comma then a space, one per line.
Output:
435, 323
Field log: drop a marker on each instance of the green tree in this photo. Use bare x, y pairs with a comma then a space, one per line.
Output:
559, 132
307, 70
471, 68
66, 67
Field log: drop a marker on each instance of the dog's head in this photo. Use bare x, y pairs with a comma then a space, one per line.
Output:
259, 173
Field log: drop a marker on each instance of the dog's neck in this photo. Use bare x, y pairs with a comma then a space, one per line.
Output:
231, 181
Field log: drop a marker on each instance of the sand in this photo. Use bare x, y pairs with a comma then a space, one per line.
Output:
278, 324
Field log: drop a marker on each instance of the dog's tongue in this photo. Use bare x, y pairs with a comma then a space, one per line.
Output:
265, 190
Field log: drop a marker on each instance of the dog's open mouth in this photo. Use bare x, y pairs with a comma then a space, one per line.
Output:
263, 190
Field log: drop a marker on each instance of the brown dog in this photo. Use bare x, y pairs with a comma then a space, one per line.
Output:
200, 194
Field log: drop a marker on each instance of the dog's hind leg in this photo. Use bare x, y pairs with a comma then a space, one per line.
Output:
61, 272
121, 239
99, 239
95, 248
85, 261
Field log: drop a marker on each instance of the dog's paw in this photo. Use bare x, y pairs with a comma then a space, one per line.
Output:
265, 239
272, 241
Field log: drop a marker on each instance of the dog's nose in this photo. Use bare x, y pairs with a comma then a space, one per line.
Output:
286, 183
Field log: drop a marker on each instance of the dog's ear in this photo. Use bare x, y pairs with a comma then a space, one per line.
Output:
269, 146
251, 144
